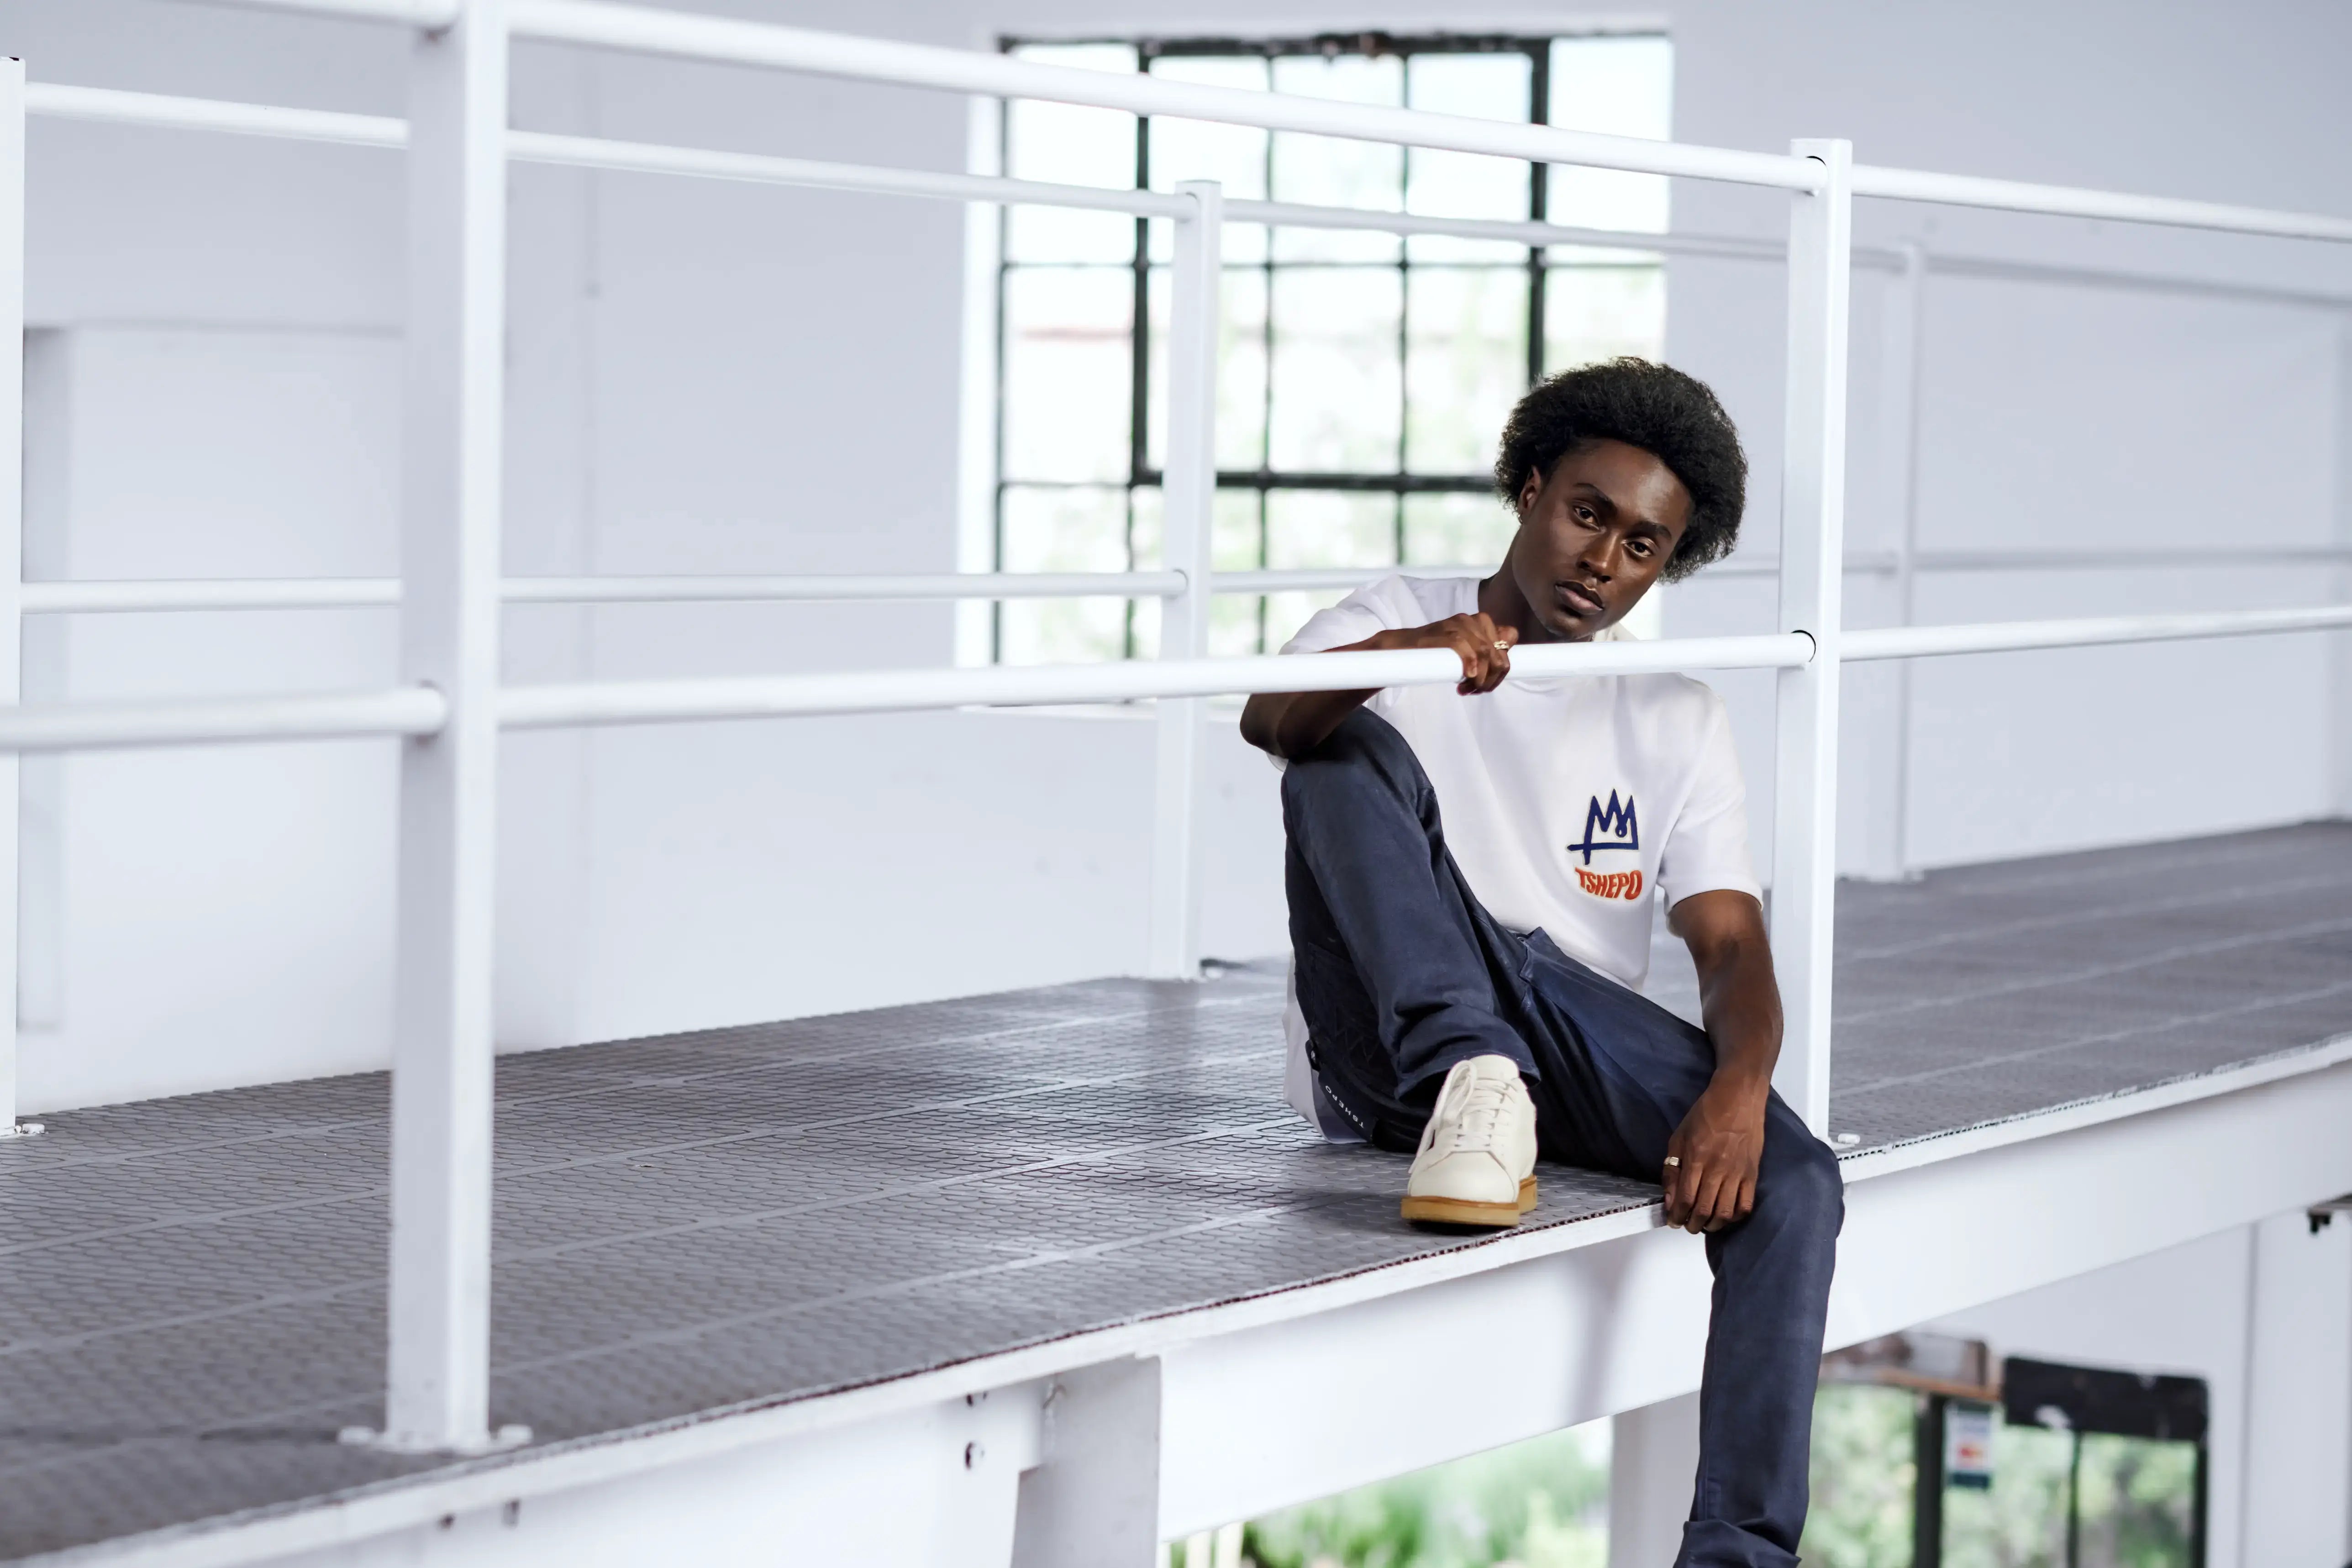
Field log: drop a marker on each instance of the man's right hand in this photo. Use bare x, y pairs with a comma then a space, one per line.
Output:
1293, 724
1484, 648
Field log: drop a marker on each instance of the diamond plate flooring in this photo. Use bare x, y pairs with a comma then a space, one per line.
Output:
191, 1288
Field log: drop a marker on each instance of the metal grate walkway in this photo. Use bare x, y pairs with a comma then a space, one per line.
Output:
191, 1296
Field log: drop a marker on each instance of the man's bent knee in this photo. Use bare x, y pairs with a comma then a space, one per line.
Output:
1365, 753
1803, 1183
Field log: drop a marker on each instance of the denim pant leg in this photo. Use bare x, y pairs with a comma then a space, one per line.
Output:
1400, 972
1771, 1272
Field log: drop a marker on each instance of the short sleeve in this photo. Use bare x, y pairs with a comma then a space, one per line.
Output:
1708, 848
1351, 620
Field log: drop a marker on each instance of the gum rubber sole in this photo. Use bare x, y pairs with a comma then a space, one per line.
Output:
1464, 1210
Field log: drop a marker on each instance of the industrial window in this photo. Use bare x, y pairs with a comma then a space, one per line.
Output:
1363, 376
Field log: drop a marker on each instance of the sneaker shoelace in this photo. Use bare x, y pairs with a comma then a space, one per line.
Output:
1481, 1114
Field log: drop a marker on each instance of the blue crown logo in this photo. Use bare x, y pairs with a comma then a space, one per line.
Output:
1612, 827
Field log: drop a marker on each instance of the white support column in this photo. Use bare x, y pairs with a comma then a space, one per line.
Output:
1189, 490
12, 548
1889, 857
1652, 1473
2297, 1455
1812, 549
1093, 1501
439, 1395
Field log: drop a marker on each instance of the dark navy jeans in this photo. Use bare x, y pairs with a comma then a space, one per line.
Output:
1401, 974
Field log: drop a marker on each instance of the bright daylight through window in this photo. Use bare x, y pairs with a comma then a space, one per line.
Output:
1363, 377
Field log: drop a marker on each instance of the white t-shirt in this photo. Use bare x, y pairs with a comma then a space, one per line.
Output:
1568, 801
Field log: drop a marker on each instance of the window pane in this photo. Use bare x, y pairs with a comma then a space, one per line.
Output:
1232, 155
1147, 511
1336, 377
1465, 365
1237, 533
1624, 87
1070, 145
2022, 1517
1599, 312
1241, 370
1067, 354
1237, 543
1459, 529
1064, 530
1330, 173
1330, 528
1463, 185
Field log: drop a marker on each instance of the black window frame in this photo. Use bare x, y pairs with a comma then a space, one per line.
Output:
1265, 479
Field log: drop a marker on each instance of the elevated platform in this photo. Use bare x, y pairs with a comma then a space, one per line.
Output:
855, 1213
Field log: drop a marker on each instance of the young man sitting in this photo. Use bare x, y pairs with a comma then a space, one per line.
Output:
1470, 874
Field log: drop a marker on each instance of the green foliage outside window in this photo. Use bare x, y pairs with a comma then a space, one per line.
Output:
1539, 1504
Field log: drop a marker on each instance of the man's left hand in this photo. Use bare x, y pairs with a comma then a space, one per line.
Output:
1710, 1173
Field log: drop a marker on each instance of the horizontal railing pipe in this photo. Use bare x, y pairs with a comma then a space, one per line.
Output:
106, 105
2114, 206
1928, 642
682, 35
125, 597
111, 726
757, 168
879, 587
902, 691
118, 597
1511, 231
645, 30
429, 14
1312, 578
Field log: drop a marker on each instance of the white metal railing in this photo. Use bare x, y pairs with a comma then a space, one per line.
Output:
451, 706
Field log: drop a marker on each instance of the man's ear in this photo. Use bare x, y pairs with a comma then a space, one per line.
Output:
1529, 491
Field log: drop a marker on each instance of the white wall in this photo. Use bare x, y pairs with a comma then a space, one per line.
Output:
720, 378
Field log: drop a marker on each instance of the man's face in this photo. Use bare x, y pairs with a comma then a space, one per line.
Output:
1594, 534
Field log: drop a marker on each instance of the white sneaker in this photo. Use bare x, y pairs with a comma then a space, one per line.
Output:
1477, 1159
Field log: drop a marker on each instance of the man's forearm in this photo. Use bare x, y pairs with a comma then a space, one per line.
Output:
1741, 1005
1292, 723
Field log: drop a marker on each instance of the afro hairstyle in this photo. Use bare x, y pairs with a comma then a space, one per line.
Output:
1668, 413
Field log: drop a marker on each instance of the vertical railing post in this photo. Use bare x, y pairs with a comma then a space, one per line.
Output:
1889, 858
1189, 487
439, 1366
1813, 552
12, 546
2338, 781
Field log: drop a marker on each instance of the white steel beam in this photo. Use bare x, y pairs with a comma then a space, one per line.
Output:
11, 554
437, 1397
1251, 1424
1093, 1499
1188, 486
1812, 581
